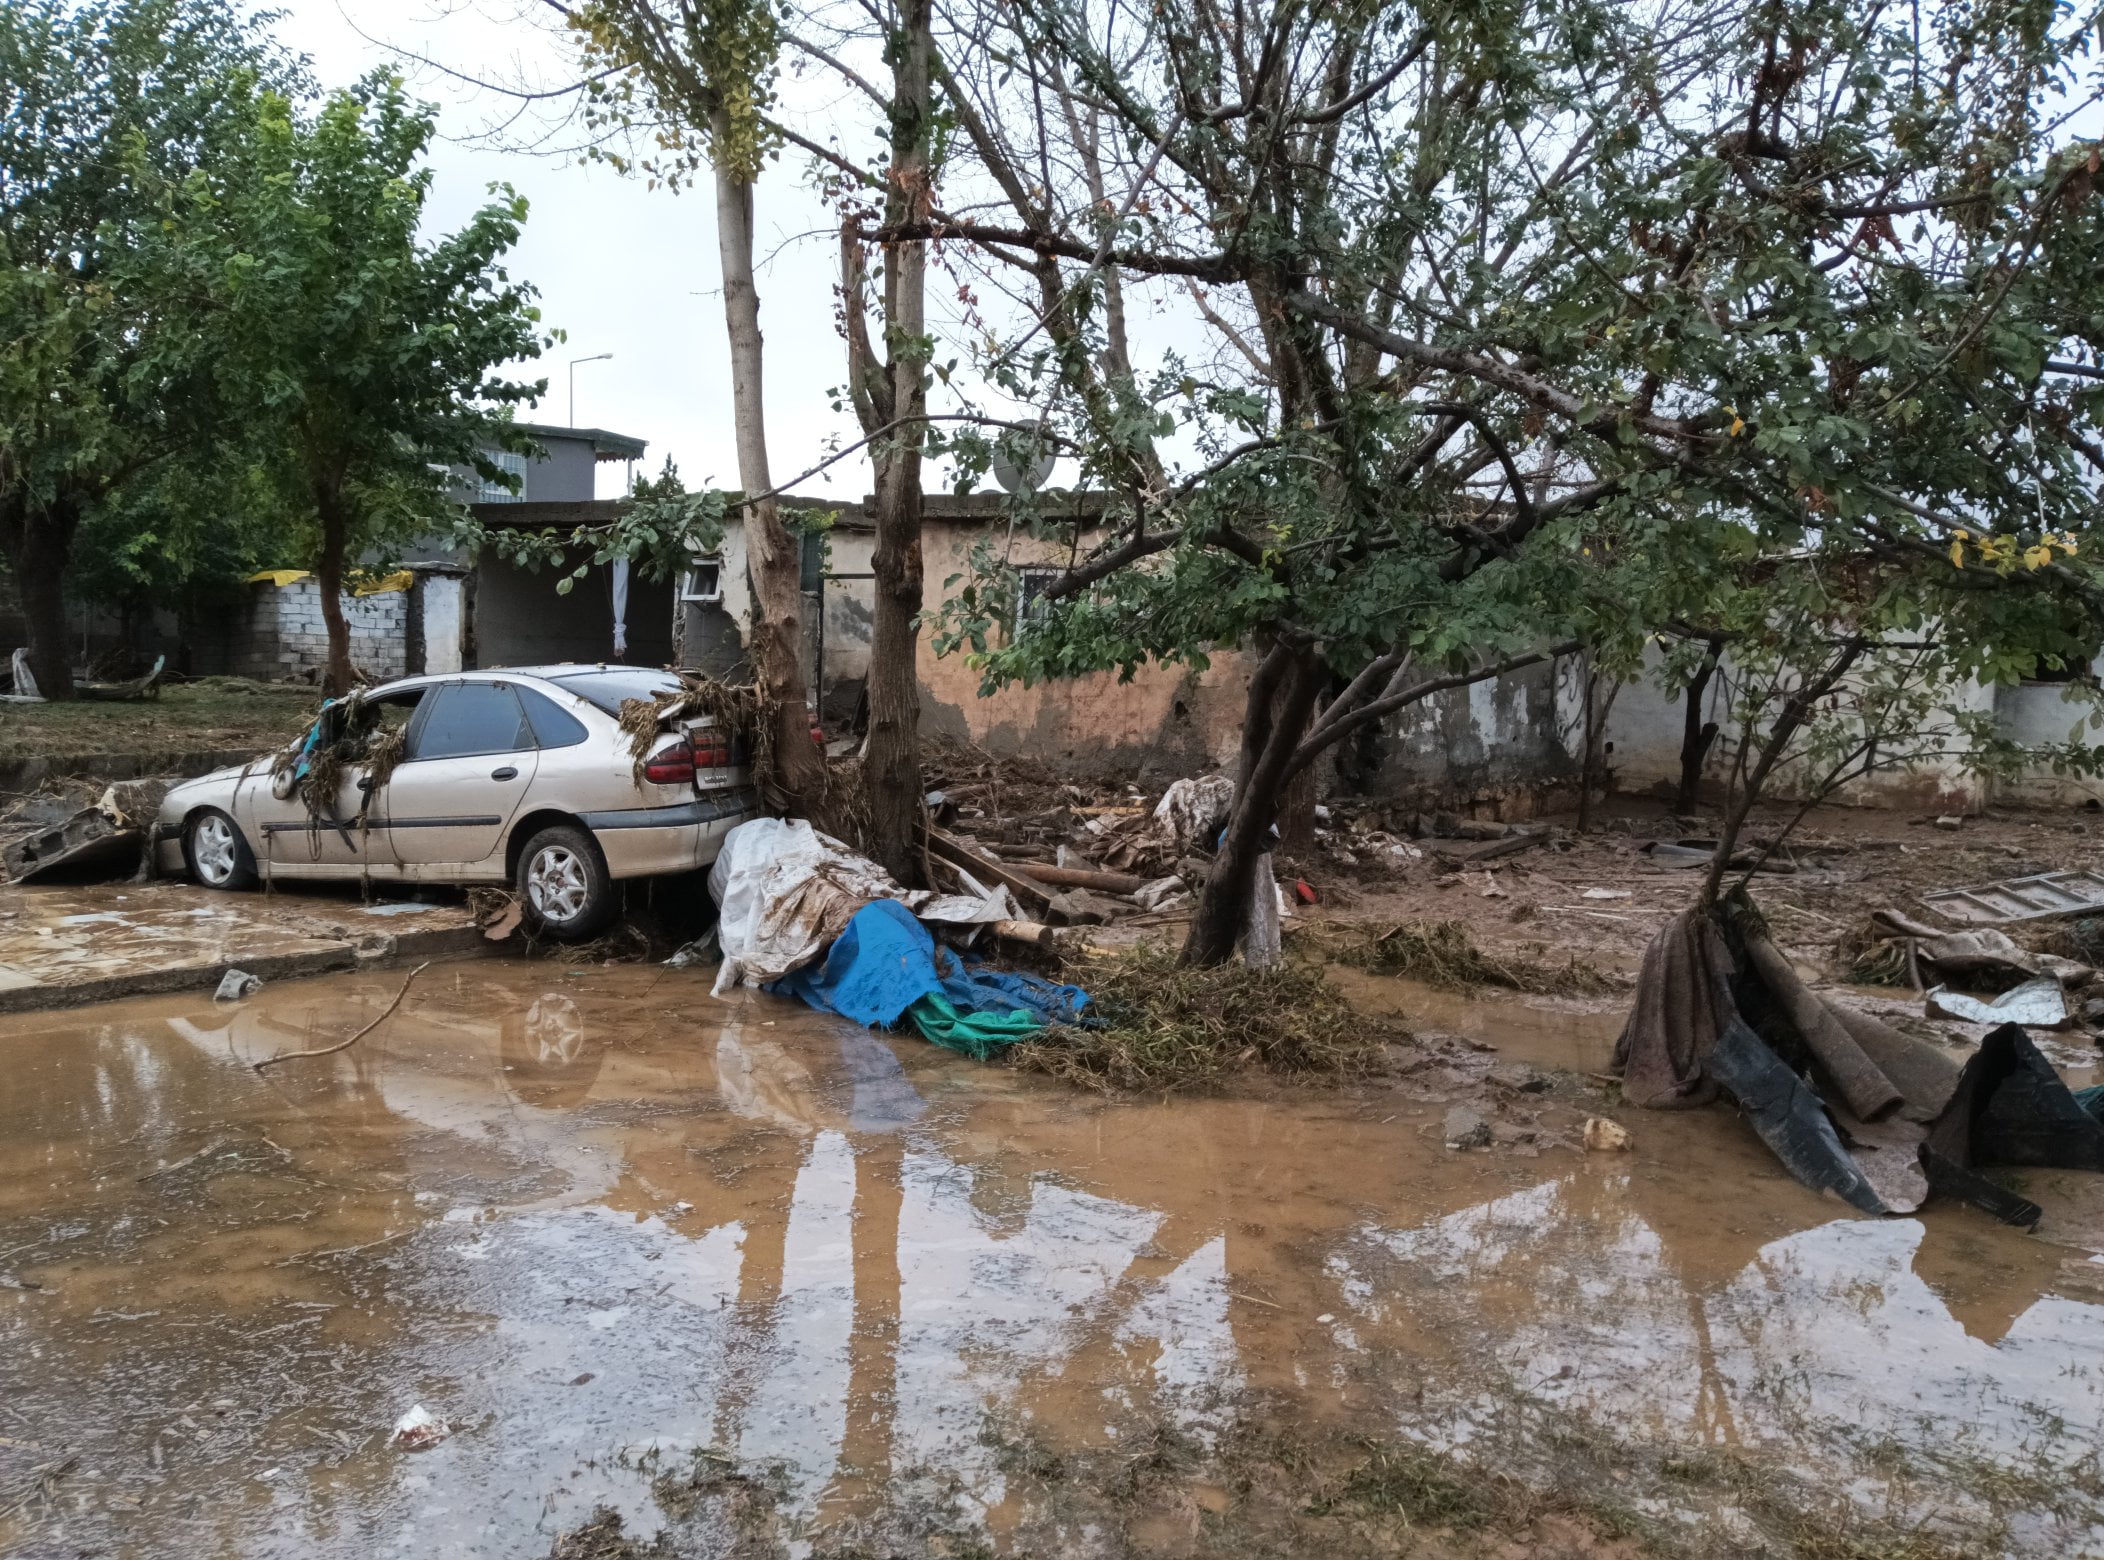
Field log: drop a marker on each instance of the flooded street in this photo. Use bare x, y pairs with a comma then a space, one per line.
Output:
599, 1223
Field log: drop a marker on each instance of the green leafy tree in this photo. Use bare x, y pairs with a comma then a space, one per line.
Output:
367, 356
105, 363
1547, 312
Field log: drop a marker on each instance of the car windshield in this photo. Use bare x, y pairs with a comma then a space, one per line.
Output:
608, 686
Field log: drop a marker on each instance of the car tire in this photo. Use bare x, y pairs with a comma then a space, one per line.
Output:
215, 853
564, 885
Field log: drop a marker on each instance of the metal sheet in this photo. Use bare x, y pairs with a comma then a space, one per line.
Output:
2020, 899
2036, 1004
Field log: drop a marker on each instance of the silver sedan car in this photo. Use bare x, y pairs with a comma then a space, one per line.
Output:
520, 776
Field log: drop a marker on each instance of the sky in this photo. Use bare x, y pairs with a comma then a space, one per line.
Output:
621, 268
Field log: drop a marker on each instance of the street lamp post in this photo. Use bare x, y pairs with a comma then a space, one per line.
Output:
596, 357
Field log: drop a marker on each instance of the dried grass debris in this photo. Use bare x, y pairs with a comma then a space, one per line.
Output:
1166, 1026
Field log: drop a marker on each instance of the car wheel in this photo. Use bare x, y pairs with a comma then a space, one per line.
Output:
564, 884
215, 852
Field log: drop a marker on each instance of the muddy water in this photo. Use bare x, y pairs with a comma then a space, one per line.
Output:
597, 1222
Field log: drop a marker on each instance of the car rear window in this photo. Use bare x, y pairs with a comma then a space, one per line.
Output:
608, 686
553, 726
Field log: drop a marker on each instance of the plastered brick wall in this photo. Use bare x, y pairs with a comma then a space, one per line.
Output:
286, 637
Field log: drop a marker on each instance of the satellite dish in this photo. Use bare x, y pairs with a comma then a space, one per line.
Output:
1016, 475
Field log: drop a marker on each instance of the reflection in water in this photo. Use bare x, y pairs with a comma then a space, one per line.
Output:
583, 1227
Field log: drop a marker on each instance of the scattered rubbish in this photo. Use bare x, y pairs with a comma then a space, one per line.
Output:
2036, 1004
1472, 850
145, 686
419, 1430
786, 892
1948, 821
1857, 1109
1151, 896
1192, 811
505, 921
25, 680
237, 984
701, 951
2032, 898
1305, 892
89, 842
1077, 877
885, 966
1082, 907
1602, 1136
1262, 943
1466, 1128
1605, 893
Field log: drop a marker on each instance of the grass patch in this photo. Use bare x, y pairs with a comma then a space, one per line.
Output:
1442, 954
1166, 1026
211, 714
1416, 1486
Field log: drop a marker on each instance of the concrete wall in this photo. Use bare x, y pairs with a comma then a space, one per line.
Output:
284, 636
1646, 726
566, 476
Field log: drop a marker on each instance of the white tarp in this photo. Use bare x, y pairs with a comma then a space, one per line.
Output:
786, 891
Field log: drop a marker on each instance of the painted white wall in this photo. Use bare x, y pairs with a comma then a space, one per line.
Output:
445, 619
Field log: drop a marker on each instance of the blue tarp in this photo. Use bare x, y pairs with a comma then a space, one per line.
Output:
885, 966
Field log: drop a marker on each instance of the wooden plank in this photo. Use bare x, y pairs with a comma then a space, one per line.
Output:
985, 868
1083, 877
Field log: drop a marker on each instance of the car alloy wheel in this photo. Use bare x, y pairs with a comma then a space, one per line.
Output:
557, 884
214, 851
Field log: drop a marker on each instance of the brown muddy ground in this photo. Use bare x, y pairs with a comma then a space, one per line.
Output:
768, 1284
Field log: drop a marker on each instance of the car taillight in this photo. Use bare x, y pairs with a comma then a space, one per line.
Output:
711, 752
673, 766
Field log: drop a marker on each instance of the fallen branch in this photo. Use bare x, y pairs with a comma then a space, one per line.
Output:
345, 1045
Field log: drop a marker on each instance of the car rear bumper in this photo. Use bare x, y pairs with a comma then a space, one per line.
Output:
648, 841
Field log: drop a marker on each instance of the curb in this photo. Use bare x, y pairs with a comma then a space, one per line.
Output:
456, 942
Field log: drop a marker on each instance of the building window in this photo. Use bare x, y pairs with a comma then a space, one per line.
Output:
488, 491
811, 560
703, 581
1030, 603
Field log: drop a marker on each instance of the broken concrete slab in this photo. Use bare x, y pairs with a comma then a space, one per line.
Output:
64, 946
90, 843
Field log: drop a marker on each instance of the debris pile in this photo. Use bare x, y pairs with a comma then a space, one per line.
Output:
804, 916
55, 835
1848, 1104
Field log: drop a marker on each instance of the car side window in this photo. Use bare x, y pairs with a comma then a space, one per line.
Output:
553, 726
466, 719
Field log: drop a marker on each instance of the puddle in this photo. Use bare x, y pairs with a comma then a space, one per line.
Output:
599, 1222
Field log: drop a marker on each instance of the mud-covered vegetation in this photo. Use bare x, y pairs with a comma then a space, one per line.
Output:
1442, 954
1265, 1484
1168, 1026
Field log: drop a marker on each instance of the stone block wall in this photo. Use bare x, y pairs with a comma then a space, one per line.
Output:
285, 636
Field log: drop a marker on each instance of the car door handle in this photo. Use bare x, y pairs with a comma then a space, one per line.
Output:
506, 773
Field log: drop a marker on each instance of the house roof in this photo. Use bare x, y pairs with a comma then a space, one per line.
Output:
606, 444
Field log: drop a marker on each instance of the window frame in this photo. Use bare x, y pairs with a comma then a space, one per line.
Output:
435, 695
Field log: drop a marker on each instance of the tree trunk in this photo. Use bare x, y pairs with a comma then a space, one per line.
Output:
1696, 734
772, 558
338, 676
891, 758
41, 545
1281, 698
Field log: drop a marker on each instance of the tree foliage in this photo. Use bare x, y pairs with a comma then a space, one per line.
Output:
1531, 321
106, 377
369, 356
